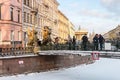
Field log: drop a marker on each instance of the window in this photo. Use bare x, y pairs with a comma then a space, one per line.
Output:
12, 35
25, 34
28, 2
39, 21
0, 12
25, 2
31, 19
11, 13
25, 38
24, 16
18, 16
18, 35
28, 18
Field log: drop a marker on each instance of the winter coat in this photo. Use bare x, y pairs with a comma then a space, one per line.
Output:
84, 39
95, 39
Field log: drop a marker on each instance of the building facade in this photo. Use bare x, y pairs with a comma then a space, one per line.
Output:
79, 33
16, 16
118, 32
113, 34
38, 14
63, 24
11, 22
71, 29
28, 18
47, 16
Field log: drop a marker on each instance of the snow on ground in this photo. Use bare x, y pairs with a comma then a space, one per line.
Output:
103, 69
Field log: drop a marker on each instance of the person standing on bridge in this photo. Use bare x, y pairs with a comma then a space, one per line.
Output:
96, 41
74, 42
101, 41
84, 41
56, 43
69, 42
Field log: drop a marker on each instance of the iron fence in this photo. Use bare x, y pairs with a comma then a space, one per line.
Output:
29, 50
15, 51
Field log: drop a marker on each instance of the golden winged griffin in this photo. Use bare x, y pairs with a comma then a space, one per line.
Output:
33, 39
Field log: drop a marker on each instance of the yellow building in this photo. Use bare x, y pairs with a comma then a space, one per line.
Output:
71, 29
41, 13
63, 27
79, 34
113, 34
47, 16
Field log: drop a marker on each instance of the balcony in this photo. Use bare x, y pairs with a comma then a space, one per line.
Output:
34, 11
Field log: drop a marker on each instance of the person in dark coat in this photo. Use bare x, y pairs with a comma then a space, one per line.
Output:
69, 42
101, 41
84, 41
96, 41
56, 43
74, 42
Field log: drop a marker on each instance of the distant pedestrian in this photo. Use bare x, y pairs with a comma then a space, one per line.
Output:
74, 42
84, 42
117, 43
96, 41
101, 41
56, 43
69, 43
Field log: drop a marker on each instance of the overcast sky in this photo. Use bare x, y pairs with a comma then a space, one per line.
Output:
94, 15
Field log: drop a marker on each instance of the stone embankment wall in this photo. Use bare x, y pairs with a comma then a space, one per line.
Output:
28, 64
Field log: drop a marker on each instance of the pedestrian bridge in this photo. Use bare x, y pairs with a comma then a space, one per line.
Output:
27, 51
61, 52
108, 54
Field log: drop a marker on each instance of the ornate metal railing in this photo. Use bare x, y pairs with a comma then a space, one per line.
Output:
29, 50
15, 51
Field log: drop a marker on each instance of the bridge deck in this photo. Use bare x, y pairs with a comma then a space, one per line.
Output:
82, 53
64, 52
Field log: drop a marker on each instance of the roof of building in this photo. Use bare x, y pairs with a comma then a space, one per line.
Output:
81, 30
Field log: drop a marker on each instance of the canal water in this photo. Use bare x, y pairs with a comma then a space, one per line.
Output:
103, 69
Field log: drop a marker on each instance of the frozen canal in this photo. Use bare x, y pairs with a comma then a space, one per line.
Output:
103, 69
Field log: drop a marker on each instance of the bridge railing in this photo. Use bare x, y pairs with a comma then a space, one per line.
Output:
15, 51
28, 50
